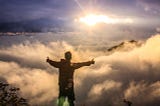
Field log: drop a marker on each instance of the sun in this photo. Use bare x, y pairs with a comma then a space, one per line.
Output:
89, 19
93, 19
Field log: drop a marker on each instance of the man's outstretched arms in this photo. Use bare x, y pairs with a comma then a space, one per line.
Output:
81, 64
53, 63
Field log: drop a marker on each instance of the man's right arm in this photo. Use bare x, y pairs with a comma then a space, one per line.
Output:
53, 63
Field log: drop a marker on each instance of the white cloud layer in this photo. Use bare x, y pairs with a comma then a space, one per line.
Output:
132, 74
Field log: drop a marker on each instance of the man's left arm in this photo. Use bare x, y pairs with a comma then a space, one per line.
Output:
81, 64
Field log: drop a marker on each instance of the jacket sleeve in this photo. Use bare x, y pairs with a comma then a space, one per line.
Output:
79, 65
54, 63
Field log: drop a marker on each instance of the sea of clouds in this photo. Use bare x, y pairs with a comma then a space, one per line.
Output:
133, 74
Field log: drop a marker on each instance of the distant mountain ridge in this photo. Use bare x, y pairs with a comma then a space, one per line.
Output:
125, 46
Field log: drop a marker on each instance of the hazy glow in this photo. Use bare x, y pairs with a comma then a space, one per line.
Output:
92, 20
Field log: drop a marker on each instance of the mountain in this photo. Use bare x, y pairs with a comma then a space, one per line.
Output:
125, 46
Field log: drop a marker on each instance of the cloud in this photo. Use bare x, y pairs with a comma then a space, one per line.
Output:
36, 84
129, 74
150, 5
98, 89
14, 10
143, 93
158, 29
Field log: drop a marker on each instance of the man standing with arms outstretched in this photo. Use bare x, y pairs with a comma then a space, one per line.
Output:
66, 72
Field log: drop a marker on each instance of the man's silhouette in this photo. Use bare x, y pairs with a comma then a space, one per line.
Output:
66, 72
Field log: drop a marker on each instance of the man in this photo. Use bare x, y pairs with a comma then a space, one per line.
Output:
66, 72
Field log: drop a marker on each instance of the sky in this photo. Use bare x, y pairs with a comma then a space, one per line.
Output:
17, 10
121, 35
47, 15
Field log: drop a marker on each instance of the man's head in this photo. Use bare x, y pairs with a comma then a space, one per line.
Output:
68, 55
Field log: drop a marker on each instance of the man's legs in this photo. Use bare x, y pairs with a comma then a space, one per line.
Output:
71, 102
62, 100
71, 96
63, 93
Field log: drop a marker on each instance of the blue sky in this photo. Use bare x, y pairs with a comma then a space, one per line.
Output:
17, 10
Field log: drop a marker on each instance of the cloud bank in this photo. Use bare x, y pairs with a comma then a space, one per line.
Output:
132, 74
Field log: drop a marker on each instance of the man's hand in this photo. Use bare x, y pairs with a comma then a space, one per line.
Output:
92, 61
47, 60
